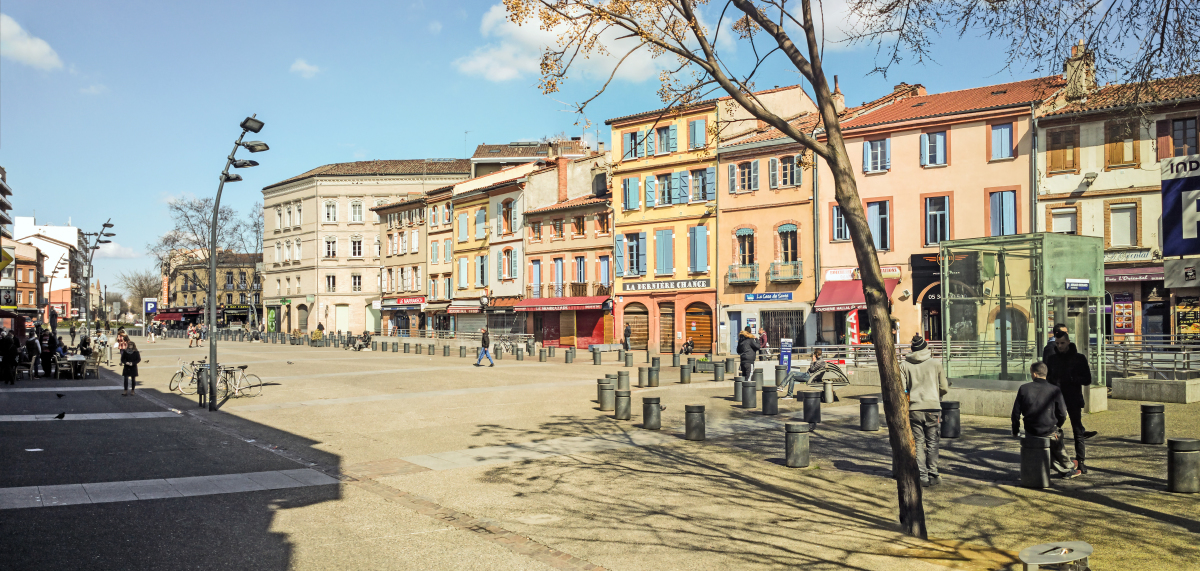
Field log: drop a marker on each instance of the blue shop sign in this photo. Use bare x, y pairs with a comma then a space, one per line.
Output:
773, 296
1078, 284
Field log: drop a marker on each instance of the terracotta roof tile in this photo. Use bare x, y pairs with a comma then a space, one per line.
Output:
412, 199
1128, 94
692, 106
528, 150
573, 203
809, 121
953, 102
389, 167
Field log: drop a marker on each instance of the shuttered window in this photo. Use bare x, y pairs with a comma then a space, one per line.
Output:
1123, 225
664, 252
1063, 150
1121, 144
1002, 141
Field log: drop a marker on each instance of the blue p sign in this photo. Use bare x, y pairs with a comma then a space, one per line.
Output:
151, 307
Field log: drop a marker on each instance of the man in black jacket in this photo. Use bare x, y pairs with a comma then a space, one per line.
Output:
628, 334
1048, 350
1070, 372
747, 349
485, 342
1041, 403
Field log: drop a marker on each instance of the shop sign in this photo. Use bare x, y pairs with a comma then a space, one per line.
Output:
409, 300
667, 284
847, 274
773, 296
8, 297
1180, 195
376, 304
1142, 255
1181, 273
1074, 284
785, 353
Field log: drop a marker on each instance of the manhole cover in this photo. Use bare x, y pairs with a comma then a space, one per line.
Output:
982, 500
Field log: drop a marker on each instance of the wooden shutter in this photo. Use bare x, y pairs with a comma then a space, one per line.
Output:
669, 250
651, 187
866, 150
692, 249
671, 146
924, 149
887, 154
710, 183
641, 253
1162, 138
683, 192
754, 175
702, 248
732, 179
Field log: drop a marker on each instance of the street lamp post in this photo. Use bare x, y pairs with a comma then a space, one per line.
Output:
87, 292
249, 125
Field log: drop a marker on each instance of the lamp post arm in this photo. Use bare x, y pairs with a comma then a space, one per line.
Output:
213, 370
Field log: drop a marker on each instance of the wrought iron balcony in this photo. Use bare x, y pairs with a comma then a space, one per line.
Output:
742, 274
603, 289
578, 289
786, 271
533, 291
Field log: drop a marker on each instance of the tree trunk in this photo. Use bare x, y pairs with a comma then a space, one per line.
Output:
895, 403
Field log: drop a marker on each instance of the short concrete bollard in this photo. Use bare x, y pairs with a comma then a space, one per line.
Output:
622, 380
685, 375
1183, 465
433, 349
541, 355
812, 407
796, 444
622, 405
520, 354
608, 397
418, 348
868, 414
691, 364
758, 379
656, 362
781, 372
651, 413
731, 365
550, 351
642, 376
446, 351
718, 373
374, 346
497, 353
595, 357
770, 404
1154, 424
384, 348
629, 359
749, 396
569, 357
737, 388
652, 376
395, 346
462, 351
951, 419
675, 360
621, 355
611, 376
1035, 462
694, 422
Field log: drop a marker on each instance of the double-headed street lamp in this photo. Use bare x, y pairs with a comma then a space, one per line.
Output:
87, 293
249, 125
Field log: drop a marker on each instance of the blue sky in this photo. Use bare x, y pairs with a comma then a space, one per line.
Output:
108, 109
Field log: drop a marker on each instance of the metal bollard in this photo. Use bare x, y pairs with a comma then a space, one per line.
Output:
653, 376
520, 354
384, 348
1154, 424
550, 351
655, 362
749, 396
951, 419
1183, 465
420, 349
691, 364
595, 357
651, 413
600, 387
718, 373
812, 407
498, 353
462, 351
446, 350
796, 444
731, 365
868, 414
622, 380
629, 359
780, 374
770, 404
1035, 462
395, 346
569, 357
621, 355
827, 395
758, 379
622, 405
675, 360
694, 423
374, 346
685, 375
406, 347
541, 355
608, 398
737, 388
642, 376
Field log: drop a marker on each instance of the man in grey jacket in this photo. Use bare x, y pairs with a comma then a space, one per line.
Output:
925, 382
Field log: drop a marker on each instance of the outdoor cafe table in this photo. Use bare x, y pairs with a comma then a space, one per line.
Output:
77, 363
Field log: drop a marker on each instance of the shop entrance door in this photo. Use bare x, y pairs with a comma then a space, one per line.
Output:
697, 324
666, 327
589, 328
735, 325
638, 319
550, 329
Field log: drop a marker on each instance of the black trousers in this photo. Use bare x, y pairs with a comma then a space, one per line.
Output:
747, 371
47, 364
129, 382
1076, 416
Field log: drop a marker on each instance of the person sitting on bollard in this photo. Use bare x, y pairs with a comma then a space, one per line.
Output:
484, 341
688, 347
1070, 372
747, 349
1042, 406
816, 366
925, 383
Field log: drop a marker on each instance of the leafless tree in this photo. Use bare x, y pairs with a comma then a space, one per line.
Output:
188, 239
139, 284
250, 241
1139, 40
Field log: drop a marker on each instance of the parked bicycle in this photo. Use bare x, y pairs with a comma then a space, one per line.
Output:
188, 378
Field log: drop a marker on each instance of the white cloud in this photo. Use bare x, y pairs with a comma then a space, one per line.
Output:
115, 250
516, 52
435, 27
17, 45
94, 89
304, 69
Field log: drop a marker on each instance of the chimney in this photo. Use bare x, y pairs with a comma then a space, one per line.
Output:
600, 147
839, 100
1079, 71
562, 163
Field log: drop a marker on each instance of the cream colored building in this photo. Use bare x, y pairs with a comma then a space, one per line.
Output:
321, 247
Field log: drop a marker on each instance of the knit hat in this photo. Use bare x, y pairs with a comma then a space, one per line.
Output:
919, 344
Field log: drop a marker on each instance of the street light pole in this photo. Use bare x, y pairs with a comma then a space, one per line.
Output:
87, 292
250, 124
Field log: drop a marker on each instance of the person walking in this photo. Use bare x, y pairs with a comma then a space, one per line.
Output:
33, 350
485, 341
150, 331
72, 334
1048, 350
628, 334
130, 357
1070, 372
191, 335
925, 382
747, 349
762, 338
1041, 406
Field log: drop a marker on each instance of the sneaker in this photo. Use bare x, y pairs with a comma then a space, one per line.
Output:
478, 365
1079, 465
934, 480
925, 482
1089, 433
1072, 475
491, 364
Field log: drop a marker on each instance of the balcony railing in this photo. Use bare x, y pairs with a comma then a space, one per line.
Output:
578, 289
786, 271
571, 289
533, 291
602, 289
743, 274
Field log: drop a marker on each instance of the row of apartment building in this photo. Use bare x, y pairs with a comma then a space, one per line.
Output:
702, 220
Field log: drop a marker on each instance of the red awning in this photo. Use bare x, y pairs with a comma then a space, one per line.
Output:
1133, 274
847, 295
167, 317
562, 303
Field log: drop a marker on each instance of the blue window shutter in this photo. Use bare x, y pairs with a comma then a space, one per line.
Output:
732, 179
670, 250
692, 249
463, 231
627, 152
887, 153
701, 133
685, 180
754, 175
659, 256
925, 149
1009, 150
625, 202
678, 180
674, 135
940, 148
640, 143
650, 148
997, 142
651, 187
641, 253
866, 156
500, 266
710, 182
798, 170
619, 255
773, 172
691, 134
702, 248
480, 224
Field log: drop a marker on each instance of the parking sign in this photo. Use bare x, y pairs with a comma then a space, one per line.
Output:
150, 305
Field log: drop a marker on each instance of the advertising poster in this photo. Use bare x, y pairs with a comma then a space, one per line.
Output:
1122, 313
852, 328
1187, 318
785, 353
1181, 206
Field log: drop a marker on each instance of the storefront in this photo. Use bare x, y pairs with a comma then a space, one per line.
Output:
567, 321
437, 317
468, 316
272, 317
773, 312
502, 316
664, 314
1139, 301
403, 316
843, 309
237, 315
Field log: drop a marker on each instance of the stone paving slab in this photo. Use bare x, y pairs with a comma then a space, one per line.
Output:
86, 416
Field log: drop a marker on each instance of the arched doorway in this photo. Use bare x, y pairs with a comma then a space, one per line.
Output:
666, 327
637, 317
302, 318
697, 324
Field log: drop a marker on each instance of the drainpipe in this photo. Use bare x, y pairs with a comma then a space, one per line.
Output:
716, 273
1033, 160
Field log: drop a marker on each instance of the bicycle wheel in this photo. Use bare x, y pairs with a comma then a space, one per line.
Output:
251, 386
174, 384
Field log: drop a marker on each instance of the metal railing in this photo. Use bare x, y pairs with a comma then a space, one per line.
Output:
578, 289
786, 271
742, 274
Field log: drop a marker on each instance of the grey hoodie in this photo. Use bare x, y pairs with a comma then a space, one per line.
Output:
924, 380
